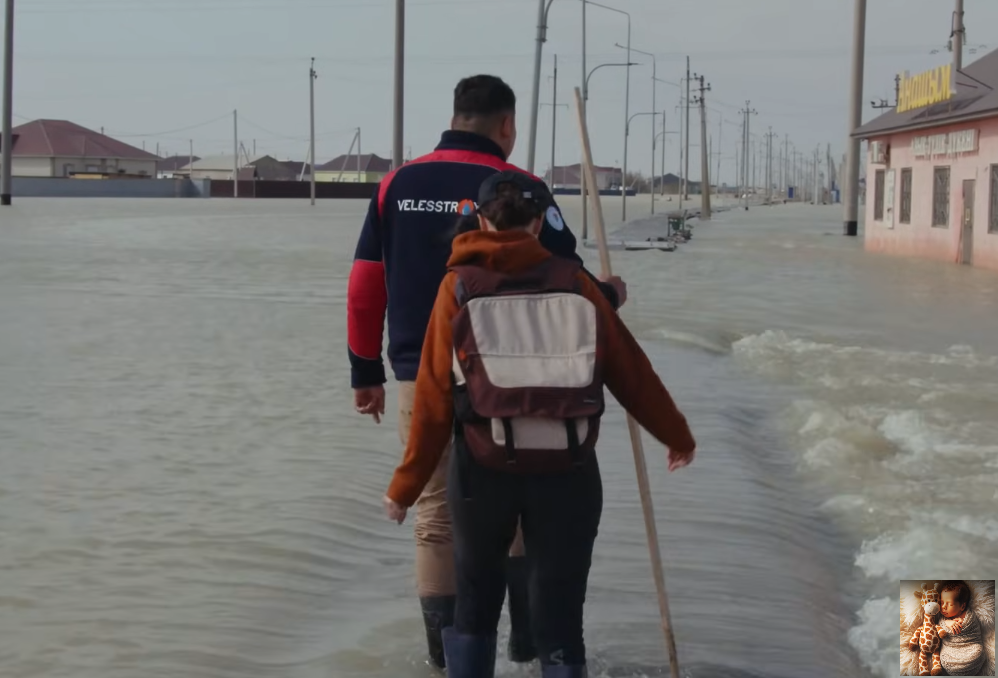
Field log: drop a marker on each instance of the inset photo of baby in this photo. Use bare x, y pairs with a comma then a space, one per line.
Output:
948, 627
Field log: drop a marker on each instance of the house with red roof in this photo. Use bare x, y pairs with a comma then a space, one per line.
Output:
59, 148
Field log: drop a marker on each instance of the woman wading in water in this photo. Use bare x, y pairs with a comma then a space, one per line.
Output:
519, 347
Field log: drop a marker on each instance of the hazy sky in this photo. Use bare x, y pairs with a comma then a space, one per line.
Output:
155, 70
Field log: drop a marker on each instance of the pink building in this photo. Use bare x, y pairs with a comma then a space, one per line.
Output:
932, 169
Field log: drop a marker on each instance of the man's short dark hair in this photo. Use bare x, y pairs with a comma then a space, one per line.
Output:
483, 96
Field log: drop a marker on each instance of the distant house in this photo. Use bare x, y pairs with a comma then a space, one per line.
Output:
364, 168
168, 167
673, 184
220, 167
300, 170
568, 176
59, 148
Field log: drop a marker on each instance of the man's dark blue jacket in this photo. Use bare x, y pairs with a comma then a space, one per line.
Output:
402, 254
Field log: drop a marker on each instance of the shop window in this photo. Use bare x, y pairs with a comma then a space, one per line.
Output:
878, 196
993, 216
906, 195
940, 197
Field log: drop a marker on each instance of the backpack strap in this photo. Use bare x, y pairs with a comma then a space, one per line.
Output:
574, 447
507, 433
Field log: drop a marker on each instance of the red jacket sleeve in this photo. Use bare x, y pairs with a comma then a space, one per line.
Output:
367, 303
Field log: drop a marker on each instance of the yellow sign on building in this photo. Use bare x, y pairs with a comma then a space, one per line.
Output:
924, 89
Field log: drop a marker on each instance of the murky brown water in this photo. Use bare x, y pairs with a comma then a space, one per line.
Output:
185, 490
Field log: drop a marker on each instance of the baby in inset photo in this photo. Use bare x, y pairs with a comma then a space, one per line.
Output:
962, 652
948, 628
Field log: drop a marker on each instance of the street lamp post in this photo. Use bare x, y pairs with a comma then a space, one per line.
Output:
627, 95
627, 132
654, 86
662, 135
554, 122
585, 109
543, 7
596, 68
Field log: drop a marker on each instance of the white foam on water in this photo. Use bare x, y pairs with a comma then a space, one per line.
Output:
905, 443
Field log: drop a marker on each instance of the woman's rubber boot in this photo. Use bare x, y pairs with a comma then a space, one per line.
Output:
438, 614
563, 671
521, 646
469, 656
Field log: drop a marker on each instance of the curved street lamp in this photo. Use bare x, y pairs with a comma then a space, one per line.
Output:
585, 89
654, 86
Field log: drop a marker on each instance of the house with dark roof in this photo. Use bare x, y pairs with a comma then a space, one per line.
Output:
932, 167
364, 168
299, 169
220, 168
59, 148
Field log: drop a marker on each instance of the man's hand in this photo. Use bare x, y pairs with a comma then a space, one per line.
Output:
394, 510
370, 400
619, 286
678, 460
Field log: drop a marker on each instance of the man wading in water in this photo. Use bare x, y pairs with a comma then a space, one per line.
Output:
400, 261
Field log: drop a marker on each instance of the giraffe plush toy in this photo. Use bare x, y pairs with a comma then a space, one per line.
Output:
928, 637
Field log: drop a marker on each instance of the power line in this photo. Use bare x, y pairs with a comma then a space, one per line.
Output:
283, 7
171, 131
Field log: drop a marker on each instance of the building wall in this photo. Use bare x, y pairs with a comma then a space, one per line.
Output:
59, 187
349, 176
213, 175
919, 238
31, 167
111, 165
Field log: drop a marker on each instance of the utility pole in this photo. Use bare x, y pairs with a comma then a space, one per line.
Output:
817, 175
717, 177
554, 114
959, 36
585, 106
683, 177
662, 183
769, 165
358, 156
542, 14
785, 170
704, 160
687, 173
6, 140
190, 172
399, 84
312, 75
235, 154
755, 165
748, 111
738, 169
850, 187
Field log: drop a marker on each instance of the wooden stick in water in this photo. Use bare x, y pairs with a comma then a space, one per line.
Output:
644, 486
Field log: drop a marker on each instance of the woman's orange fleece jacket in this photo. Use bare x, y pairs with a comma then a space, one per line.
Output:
628, 374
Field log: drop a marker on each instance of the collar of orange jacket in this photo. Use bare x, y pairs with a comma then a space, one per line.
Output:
503, 251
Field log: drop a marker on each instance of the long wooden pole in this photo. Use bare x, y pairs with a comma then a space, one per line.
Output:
644, 486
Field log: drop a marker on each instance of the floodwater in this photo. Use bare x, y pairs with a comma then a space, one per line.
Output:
186, 490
